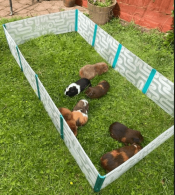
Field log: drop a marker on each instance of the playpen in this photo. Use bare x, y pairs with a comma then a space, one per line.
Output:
154, 85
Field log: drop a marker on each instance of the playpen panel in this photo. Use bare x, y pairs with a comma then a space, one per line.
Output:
85, 27
57, 23
106, 45
116, 173
49, 106
12, 46
79, 155
161, 91
28, 72
133, 68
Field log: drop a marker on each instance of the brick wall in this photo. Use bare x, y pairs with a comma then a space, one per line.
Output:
146, 13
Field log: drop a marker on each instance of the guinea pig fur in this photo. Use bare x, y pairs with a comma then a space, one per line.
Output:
90, 71
82, 105
115, 158
80, 118
98, 91
123, 134
66, 113
73, 126
77, 87
68, 116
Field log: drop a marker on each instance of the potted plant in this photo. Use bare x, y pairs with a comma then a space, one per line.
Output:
101, 11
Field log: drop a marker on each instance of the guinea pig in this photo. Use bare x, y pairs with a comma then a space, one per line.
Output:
90, 71
66, 113
82, 105
98, 91
77, 87
123, 134
115, 158
68, 116
80, 117
73, 126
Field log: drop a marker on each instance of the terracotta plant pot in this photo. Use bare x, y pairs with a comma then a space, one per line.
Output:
69, 3
101, 15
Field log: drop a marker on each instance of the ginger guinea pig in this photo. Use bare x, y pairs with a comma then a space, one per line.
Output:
80, 117
68, 116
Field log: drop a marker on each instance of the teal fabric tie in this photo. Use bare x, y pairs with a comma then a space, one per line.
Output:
76, 20
95, 32
117, 56
36, 77
149, 80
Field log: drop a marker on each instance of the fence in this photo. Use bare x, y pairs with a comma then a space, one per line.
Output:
141, 75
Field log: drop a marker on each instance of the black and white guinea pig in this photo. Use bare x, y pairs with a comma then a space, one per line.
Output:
77, 87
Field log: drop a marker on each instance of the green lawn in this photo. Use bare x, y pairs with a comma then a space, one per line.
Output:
35, 160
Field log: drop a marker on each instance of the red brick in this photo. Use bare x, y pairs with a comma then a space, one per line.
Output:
129, 9
125, 16
166, 6
166, 25
138, 3
85, 3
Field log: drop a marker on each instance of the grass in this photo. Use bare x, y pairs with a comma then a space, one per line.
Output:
35, 160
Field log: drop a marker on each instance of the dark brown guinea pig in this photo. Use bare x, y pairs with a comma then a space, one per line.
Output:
115, 158
98, 91
123, 134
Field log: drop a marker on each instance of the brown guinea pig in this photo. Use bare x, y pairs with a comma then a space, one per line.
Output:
100, 90
115, 158
82, 105
73, 126
80, 118
68, 116
90, 71
123, 134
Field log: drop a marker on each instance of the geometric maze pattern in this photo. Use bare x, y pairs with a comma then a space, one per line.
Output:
161, 91
136, 71
57, 23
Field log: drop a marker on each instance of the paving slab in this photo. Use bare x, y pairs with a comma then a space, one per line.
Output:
30, 8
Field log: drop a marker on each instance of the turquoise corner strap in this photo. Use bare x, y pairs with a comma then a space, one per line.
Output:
149, 80
4, 26
117, 56
76, 20
36, 77
95, 32
19, 58
61, 126
99, 182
